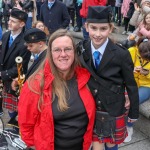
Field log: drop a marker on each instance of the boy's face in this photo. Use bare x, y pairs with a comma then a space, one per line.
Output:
98, 33
33, 47
15, 24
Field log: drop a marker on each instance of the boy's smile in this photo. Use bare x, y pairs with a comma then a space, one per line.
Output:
98, 33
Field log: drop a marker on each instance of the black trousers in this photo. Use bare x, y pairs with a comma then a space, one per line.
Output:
72, 15
126, 23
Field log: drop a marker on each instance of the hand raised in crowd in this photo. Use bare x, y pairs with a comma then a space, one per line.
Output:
137, 8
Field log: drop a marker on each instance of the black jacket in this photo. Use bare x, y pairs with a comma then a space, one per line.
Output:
115, 73
56, 17
8, 67
28, 5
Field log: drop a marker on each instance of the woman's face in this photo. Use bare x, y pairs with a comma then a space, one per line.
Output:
40, 26
63, 54
98, 33
147, 19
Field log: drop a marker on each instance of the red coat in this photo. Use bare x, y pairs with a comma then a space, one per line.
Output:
37, 128
87, 3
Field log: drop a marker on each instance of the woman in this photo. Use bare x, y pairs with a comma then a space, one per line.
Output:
56, 109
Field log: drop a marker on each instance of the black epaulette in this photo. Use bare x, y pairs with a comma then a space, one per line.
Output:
121, 46
81, 47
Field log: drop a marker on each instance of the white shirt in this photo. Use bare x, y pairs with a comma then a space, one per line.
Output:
14, 36
100, 49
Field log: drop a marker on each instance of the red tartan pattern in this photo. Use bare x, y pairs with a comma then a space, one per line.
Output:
120, 132
10, 102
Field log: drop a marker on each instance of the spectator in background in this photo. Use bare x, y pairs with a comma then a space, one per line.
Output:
137, 2
140, 12
29, 6
1, 33
1, 12
71, 10
112, 4
17, 5
7, 6
38, 6
141, 58
78, 6
40, 25
55, 15
124, 11
118, 12
84, 10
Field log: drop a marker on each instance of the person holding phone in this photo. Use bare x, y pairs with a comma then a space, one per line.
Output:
141, 58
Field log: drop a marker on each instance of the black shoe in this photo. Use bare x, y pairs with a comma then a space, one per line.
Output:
13, 122
3, 143
1, 112
77, 29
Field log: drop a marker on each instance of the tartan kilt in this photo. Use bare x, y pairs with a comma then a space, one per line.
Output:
10, 101
120, 132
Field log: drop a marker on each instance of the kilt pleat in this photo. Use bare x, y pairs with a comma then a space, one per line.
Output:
120, 132
10, 101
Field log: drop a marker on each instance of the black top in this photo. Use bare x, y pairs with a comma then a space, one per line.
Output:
70, 125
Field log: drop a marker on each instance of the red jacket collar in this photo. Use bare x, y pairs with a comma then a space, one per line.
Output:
82, 75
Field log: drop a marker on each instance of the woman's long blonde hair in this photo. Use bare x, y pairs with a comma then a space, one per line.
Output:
59, 86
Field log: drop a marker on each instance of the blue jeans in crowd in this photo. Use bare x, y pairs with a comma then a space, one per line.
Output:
29, 23
85, 34
78, 17
144, 94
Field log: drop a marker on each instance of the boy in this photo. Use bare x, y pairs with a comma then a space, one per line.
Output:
111, 71
13, 46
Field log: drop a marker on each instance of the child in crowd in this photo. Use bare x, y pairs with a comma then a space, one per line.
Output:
143, 30
141, 59
127, 11
40, 25
144, 27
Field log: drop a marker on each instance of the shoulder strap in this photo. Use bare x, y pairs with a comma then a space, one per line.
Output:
108, 85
